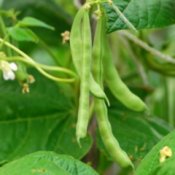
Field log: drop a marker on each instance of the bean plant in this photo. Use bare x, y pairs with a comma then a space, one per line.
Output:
87, 87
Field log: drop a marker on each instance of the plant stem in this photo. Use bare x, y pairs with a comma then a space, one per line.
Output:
38, 66
123, 18
49, 68
148, 48
140, 67
4, 34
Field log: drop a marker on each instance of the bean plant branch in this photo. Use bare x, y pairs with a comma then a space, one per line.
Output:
123, 18
38, 66
138, 63
4, 34
148, 48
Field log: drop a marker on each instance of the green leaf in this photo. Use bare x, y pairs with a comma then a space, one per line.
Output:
51, 12
134, 134
44, 119
166, 168
33, 22
46, 163
151, 162
142, 14
22, 34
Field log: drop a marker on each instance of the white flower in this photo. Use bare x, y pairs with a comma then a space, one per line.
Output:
8, 70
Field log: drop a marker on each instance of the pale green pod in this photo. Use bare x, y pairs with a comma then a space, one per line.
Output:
110, 142
76, 44
117, 86
83, 111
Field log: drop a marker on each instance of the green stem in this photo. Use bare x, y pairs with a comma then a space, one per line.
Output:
123, 18
139, 65
4, 34
145, 46
38, 66
63, 80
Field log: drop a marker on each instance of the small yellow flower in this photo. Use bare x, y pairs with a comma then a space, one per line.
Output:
165, 153
31, 79
25, 88
66, 36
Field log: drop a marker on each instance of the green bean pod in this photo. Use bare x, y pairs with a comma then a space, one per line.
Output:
118, 87
76, 40
110, 142
83, 112
76, 44
97, 91
97, 53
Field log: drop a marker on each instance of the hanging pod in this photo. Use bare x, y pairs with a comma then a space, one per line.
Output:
76, 44
110, 142
117, 86
83, 110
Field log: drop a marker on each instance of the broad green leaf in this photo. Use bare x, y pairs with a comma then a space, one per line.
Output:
22, 34
166, 168
151, 162
44, 119
134, 134
141, 13
46, 163
33, 22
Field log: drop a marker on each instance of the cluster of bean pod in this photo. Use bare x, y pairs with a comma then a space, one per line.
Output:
93, 63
